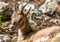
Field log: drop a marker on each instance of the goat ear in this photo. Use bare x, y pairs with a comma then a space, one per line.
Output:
29, 10
26, 12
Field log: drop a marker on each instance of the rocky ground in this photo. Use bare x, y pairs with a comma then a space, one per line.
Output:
38, 27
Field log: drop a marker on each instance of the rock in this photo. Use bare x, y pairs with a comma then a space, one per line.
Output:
3, 5
56, 38
6, 38
49, 6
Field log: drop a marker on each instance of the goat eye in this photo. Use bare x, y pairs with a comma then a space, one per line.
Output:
25, 10
3, 8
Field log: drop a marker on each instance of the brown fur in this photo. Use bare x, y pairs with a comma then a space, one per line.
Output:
23, 24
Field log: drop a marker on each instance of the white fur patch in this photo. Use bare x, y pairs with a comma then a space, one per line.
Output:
20, 36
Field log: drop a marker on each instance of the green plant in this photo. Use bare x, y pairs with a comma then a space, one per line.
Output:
1, 18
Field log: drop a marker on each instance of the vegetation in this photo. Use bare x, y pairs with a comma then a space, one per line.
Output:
1, 16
